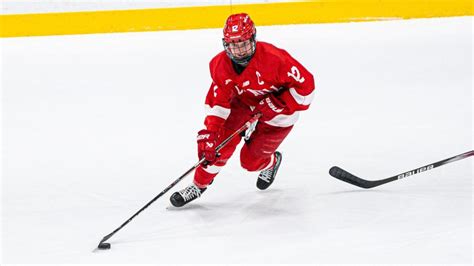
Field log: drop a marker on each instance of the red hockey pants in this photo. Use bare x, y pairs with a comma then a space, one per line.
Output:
256, 154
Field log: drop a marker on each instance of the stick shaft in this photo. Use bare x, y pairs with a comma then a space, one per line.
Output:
345, 176
218, 148
434, 165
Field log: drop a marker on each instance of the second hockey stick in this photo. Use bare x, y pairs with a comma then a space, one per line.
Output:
345, 176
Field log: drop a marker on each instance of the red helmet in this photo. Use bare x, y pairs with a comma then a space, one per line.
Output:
238, 28
239, 38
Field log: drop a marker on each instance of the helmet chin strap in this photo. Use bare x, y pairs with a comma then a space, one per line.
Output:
244, 61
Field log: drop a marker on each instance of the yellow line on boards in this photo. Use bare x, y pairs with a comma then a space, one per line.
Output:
199, 17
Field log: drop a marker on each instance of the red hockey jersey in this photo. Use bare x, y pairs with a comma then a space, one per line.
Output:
271, 70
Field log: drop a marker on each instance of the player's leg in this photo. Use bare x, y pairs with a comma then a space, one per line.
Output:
204, 175
260, 152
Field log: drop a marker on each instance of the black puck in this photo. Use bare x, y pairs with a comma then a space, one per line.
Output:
104, 246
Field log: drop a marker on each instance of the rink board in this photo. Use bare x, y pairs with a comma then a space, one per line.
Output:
201, 17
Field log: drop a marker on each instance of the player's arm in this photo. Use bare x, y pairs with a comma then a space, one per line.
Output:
298, 83
281, 109
217, 108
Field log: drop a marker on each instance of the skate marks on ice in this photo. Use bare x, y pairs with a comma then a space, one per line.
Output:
254, 204
217, 216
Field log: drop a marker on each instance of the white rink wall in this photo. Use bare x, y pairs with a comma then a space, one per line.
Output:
49, 6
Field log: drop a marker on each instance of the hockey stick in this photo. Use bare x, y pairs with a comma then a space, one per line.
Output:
345, 176
103, 245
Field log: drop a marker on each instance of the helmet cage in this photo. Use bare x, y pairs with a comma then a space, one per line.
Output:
235, 49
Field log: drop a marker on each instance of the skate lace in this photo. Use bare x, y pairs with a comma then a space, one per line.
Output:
266, 175
191, 192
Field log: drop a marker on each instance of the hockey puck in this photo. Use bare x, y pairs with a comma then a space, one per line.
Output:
104, 246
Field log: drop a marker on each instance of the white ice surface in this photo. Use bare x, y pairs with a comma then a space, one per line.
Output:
94, 126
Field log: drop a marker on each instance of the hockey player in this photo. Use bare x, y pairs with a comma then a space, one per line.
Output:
248, 77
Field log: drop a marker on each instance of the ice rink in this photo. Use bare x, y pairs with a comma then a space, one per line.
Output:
94, 126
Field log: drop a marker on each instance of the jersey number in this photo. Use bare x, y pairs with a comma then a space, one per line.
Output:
295, 73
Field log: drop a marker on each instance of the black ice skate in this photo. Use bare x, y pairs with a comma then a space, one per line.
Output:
266, 177
186, 195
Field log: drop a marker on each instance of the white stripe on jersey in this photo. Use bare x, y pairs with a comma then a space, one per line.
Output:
218, 111
300, 99
212, 169
284, 120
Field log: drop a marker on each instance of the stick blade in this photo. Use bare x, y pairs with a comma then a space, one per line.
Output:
347, 177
